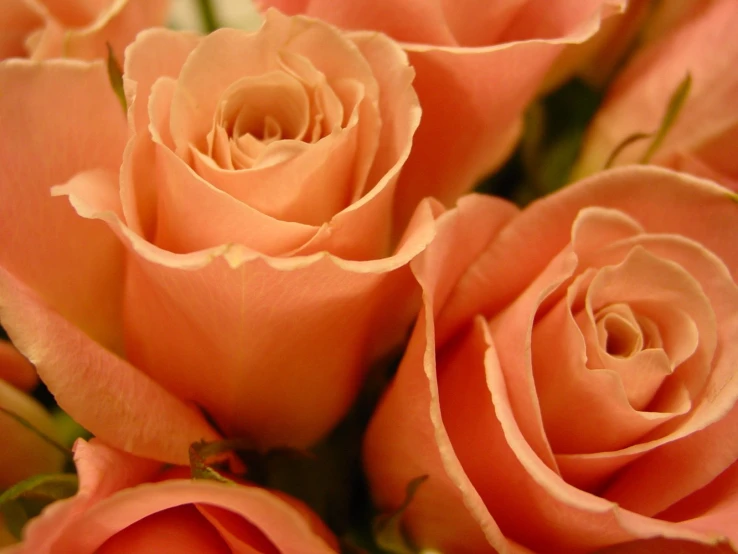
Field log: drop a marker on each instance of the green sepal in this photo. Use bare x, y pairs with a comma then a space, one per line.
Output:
115, 74
199, 454
388, 532
676, 102
26, 499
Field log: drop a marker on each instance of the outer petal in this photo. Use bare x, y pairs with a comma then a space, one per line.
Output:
17, 19
662, 201
59, 119
465, 134
103, 393
400, 444
706, 48
117, 24
113, 503
290, 363
15, 368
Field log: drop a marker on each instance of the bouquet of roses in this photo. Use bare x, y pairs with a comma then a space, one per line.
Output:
368, 276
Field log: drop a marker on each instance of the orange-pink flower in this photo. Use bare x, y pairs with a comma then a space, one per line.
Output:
125, 504
478, 64
702, 140
571, 381
42, 29
227, 255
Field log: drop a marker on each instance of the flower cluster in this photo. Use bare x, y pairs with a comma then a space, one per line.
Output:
371, 276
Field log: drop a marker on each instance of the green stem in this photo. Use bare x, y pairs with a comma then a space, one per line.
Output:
207, 13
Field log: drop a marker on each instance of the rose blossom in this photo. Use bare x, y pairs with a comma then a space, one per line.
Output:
571, 381
125, 504
254, 203
702, 139
42, 29
479, 64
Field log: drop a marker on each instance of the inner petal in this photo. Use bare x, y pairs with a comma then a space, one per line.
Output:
618, 331
253, 113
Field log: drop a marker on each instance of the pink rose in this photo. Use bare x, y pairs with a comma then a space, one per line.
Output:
42, 29
478, 66
125, 504
254, 276
23, 453
701, 141
571, 381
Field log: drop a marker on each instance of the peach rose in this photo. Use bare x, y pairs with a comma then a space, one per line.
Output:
701, 141
42, 29
571, 381
478, 66
24, 453
254, 203
124, 504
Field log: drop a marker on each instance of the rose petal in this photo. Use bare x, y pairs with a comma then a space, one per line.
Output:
173, 531
17, 20
65, 119
313, 378
279, 522
705, 47
15, 368
85, 34
398, 449
564, 518
129, 408
661, 201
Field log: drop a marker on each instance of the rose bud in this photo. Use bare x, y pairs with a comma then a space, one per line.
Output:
571, 384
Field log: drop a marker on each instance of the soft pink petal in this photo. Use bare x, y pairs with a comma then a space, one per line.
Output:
17, 19
115, 22
60, 118
661, 201
522, 493
177, 305
105, 394
410, 21
400, 444
279, 522
15, 368
191, 214
406, 440
705, 47
178, 530
102, 471
464, 134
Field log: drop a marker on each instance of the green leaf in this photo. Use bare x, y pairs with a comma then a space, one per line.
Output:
676, 102
115, 74
388, 530
26, 499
